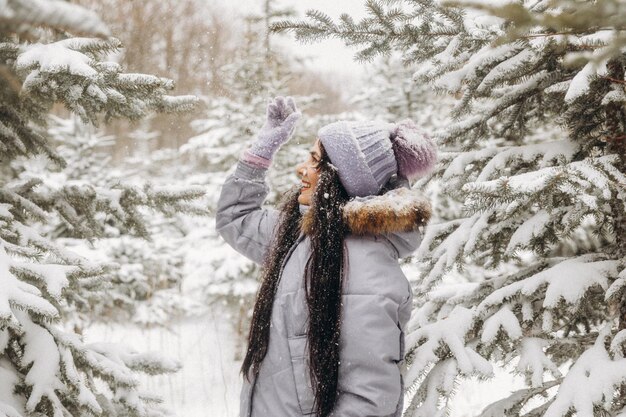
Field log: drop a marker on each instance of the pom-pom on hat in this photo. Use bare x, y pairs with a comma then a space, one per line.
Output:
415, 151
368, 154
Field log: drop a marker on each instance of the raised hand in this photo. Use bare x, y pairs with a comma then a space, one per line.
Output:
281, 118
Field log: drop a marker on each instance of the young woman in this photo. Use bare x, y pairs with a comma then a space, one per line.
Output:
327, 332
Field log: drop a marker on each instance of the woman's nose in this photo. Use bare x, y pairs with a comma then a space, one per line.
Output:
299, 170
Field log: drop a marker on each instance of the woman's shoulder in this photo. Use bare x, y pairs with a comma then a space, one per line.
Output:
362, 246
373, 268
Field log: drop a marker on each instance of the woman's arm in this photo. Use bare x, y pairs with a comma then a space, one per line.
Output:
240, 219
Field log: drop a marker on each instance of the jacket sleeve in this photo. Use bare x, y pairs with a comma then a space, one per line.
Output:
240, 219
371, 344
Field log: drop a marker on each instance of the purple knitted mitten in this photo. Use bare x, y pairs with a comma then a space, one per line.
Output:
280, 123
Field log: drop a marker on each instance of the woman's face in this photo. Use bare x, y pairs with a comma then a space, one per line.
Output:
308, 172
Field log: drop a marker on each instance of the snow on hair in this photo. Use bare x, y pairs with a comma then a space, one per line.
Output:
415, 151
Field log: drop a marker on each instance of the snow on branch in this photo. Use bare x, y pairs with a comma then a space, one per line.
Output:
487, 56
593, 379
88, 87
502, 320
512, 405
40, 351
113, 363
461, 161
55, 57
534, 362
439, 380
439, 302
450, 250
52, 13
170, 104
502, 72
18, 294
77, 380
583, 189
434, 232
618, 344
579, 85
445, 337
149, 363
532, 228
540, 153
53, 277
528, 86
568, 280
617, 287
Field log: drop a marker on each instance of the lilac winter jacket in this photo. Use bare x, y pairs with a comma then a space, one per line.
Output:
377, 300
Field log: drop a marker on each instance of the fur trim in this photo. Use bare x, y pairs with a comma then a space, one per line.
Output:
397, 210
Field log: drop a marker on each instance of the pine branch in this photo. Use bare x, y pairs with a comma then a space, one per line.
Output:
55, 14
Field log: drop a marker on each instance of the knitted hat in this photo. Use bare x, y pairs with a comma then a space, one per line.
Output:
368, 154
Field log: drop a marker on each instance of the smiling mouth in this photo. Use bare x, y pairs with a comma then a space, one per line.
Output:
305, 186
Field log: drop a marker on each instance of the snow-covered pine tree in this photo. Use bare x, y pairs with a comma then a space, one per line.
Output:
46, 368
530, 192
145, 288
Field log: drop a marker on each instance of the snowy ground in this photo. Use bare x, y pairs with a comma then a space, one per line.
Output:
208, 384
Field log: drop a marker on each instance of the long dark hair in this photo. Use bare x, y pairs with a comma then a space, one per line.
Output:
324, 273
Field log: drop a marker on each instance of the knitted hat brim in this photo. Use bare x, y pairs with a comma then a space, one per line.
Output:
344, 153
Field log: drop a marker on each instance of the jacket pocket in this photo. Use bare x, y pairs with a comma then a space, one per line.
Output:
300, 367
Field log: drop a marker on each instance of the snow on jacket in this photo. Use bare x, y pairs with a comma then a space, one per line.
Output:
377, 300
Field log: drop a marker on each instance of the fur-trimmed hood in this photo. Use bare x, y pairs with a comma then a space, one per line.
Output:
397, 214
397, 210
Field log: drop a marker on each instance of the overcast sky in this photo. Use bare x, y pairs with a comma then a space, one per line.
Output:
330, 55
